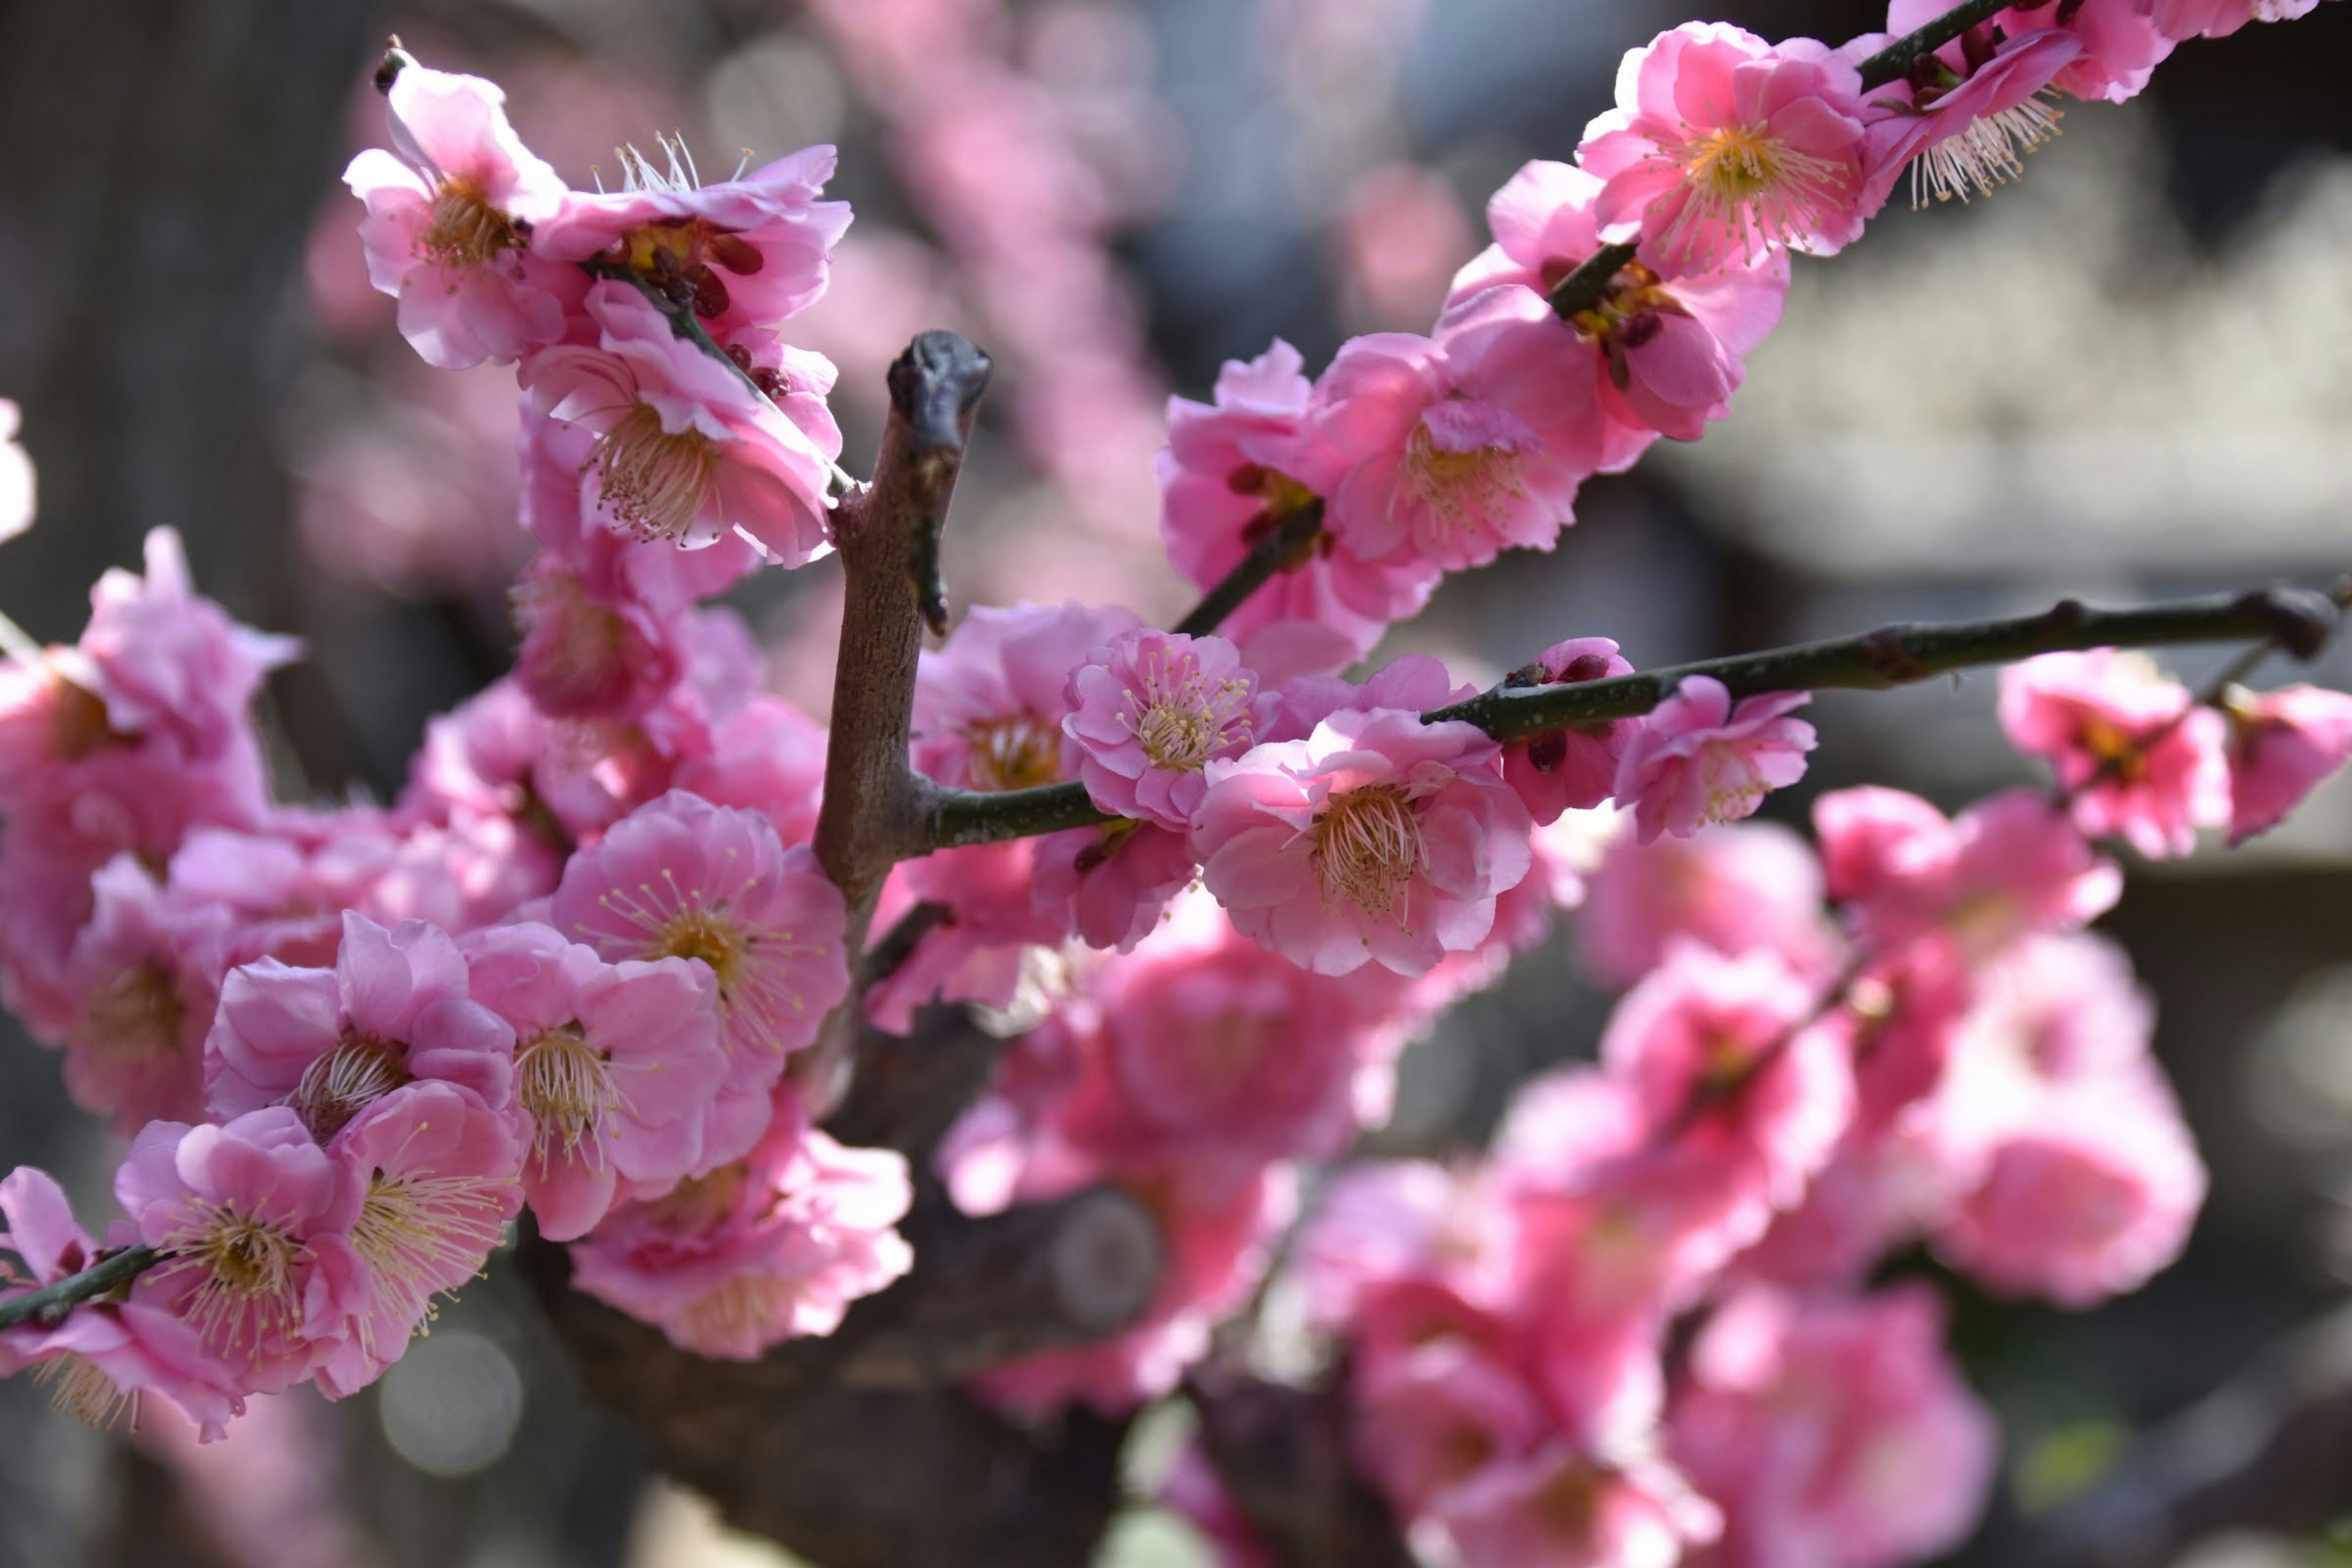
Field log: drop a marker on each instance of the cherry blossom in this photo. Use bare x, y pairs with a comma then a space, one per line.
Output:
2133, 751
1697, 761
2283, 745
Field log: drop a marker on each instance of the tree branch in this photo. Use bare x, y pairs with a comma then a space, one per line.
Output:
1274, 549
2300, 620
1282, 1454
47, 1306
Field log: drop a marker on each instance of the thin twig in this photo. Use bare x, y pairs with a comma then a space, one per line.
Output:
48, 1305
1274, 549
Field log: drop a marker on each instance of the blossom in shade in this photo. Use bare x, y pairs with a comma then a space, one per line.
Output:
257, 1218
1377, 838
1698, 760
1150, 712
1833, 1431
437, 1170
2123, 43
1723, 148
683, 879
595, 643
2132, 749
145, 976
16, 483
1458, 448
1236, 469
1110, 885
686, 449
105, 1356
618, 1072
1572, 769
1558, 1507
2282, 744
1662, 360
1735, 888
748, 251
2007, 865
328, 1043
450, 219
1968, 114
770, 1247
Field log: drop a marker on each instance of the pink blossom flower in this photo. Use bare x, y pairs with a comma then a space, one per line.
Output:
1723, 148
1559, 1509
2121, 44
1735, 888
988, 703
258, 1220
1574, 769
2130, 746
747, 252
145, 978
1377, 838
1459, 449
437, 1174
618, 1072
2005, 866
1110, 885
1236, 469
1966, 117
328, 1043
1425, 1418
17, 484
1415, 683
105, 1356
1384, 1225
774, 1247
1833, 1432
450, 220
2282, 744
1697, 761
767, 756
2183, 19
593, 647
683, 879
1663, 360
1148, 712
686, 449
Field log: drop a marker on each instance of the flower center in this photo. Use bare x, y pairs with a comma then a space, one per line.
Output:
1990, 153
1569, 1503
2120, 752
78, 724
1020, 751
244, 1293
357, 1072
654, 482
134, 1018
463, 229
1367, 848
564, 1084
1462, 487
582, 657
84, 1392
703, 932
1759, 190
422, 1233
699, 1203
1185, 718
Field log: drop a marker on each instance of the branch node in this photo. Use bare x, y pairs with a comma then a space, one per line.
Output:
1888, 651
2301, 620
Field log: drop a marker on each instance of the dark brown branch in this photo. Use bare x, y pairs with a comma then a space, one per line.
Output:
1282, 1453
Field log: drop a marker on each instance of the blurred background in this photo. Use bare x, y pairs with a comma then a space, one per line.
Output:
2129, 376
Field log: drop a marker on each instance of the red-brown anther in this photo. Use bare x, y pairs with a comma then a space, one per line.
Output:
1548, 751
710, 297
1585, 666
1640, 329
771, 384
1249, 479
741, 357
736, 254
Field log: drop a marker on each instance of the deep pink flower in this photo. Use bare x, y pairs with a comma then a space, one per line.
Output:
2128, 743
618, 1072
1664, 361
450, 219
105, 1356
1456, 452
1735, 888
774, 1247
1697, 761
1574, 769
1835, 1433
1376, 837
1239, 466
2282, 744
748, 251
258, 1219
683, 879
1966, 117
2121, 44
437, 1171
331, 1043
1723, 148
2005, 866
686, 449
1148, 712
1562, 1509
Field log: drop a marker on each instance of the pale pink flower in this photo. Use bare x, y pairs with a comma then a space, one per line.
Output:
746, 252
618, 1072
102, 1360
686, 449
1736, 889
683, 879
1459, 449
593, 648
145, 976
1382, 1225
1148, 712
1415, 683
2121, 44
1235, 469
437, 1174
1724, 148
450, 219
2283, 745
1964, 120
989, 702
1833, 1432
1377, 838
774, 1247
17, 482
258, 1220
766, 756
1562, 1509
1110, 885
1574, 769
1697, 761
328, 1043
998, 917
2005, 866
1426, 1417
2133, 751
2183, 19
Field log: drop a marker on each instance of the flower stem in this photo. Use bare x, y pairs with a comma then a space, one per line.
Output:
1274, 549
48, 1305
